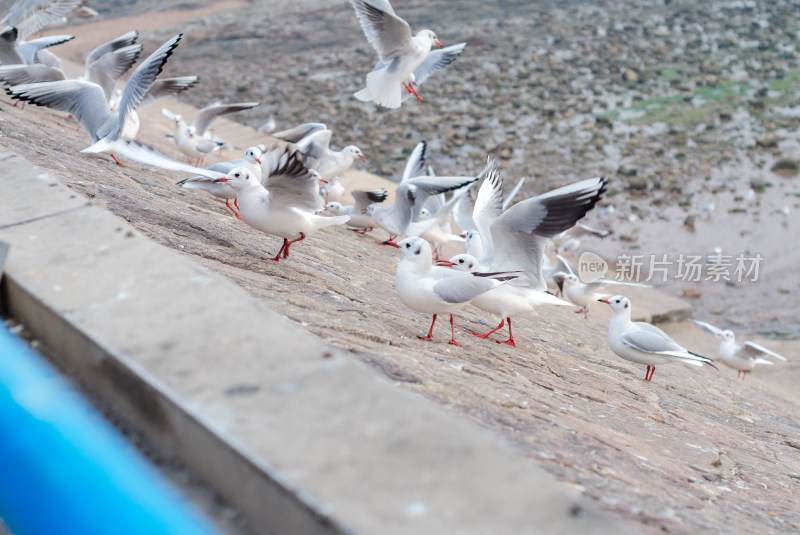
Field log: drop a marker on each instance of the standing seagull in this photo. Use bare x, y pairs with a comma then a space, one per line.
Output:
400, 53
643, 343
87, 103
437, 290
741, 358
285, 205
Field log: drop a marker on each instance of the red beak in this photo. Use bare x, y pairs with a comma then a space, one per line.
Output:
222, 180
445, 263
362, 157
323, 180
438, 44
606, 301
258, 160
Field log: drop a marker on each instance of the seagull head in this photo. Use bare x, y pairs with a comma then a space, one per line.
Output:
238, 178
726, 335
617, 303
416, 249
333, 207
463, 262
355, 152
191, 131
432, 36
253, 155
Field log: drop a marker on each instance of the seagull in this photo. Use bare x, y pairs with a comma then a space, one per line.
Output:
194, 140
251, 162
643, 343
515, 241
87, 103
318, 155
285, 205
333, 190
15, 52
400, 54
360, 221
741, 358
585, 293
31, 16
437, 290
103, 66
410, 195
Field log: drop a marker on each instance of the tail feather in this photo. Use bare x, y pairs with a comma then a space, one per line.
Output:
364, 95
384, 88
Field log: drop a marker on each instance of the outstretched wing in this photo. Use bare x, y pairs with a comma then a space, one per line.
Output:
520, 234
289, 182
364, 197
707, 326
85, 101
437, 60
752, 350
143, 77
386, 32
209, 114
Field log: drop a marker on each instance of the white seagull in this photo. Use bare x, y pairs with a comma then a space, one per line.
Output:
401, 219
87, 103
741, 358
360, 221
582, 293
317, 154
103, 66
400, 54
251, 162
15, 52
514, 240
437, 290
285, 205
195, 141
643, 343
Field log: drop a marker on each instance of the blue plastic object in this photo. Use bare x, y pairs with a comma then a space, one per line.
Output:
65, 470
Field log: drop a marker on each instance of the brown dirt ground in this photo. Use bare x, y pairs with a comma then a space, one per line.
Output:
695, 450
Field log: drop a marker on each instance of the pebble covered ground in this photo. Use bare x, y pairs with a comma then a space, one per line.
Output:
681, 104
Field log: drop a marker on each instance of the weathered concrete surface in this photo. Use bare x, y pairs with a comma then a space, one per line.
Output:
693, 451
302, 438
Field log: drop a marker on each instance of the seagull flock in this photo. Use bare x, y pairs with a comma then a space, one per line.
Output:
295, 188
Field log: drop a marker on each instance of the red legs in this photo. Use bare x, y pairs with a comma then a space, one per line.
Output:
390, 241
284, 250
510, 341
361, 231
453, 333
585, 311
410, 87
117, 161
228, 204
236, 203
651, 369
429, 336
502, 323
742, 373
430, 332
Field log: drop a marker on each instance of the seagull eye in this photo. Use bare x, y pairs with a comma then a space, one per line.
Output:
408, 246
461, 261
617, 300
626, 305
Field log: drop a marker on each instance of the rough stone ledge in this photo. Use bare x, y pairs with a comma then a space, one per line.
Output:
301, 438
